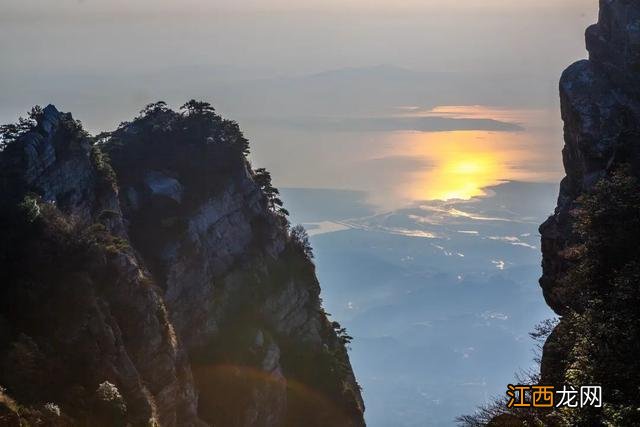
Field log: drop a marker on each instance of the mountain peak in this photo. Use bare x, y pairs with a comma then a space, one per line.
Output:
150, 276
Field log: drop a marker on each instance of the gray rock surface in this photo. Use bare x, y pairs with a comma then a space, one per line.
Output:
600, 100
230, 265
172, 278
601, 111
118, 327
163, 185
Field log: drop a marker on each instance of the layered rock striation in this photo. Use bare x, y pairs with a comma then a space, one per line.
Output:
589, 246
601, 111
148, 277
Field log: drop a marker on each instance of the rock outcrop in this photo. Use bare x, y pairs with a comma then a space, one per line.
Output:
601, 111
147, 277
588, 259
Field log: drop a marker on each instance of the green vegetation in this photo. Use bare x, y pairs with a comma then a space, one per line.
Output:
50, 259
29, 208
106, 174
262, 177
341, 332
300, 237
12, 131
597, 341
109, 406
154, 108
202, 148
601, 335
195, 109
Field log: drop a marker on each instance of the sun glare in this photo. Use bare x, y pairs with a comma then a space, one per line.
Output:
468, 167
462, 163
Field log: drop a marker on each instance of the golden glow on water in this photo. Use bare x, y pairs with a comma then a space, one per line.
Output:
459, 170
459, 164
400, 168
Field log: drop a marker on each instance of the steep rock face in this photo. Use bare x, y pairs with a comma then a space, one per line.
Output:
601, 112
242, 295
168, 291
77, 309
590, 244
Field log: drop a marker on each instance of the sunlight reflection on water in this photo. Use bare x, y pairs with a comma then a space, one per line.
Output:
398, 168
462, 163
459, 164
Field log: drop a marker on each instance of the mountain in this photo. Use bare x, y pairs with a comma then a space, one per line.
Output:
590, 245
149, 277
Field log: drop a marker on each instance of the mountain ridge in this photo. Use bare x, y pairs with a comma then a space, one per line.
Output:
151, 272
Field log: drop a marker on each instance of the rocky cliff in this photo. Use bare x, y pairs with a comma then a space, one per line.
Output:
601, 112
590, 250
149, 277
590, 272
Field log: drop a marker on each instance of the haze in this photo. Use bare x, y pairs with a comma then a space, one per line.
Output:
42, 39
418, 141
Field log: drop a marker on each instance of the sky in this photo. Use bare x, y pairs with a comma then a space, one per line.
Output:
337, 85
292, 37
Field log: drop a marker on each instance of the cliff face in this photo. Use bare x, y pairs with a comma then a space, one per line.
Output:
601, 112
589, 246
148, 276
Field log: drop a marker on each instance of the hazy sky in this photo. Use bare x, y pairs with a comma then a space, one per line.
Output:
281, 67
293, 36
